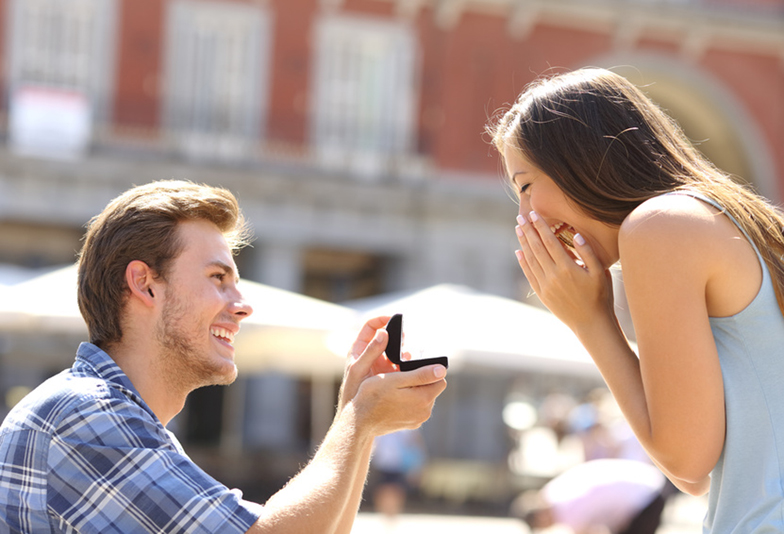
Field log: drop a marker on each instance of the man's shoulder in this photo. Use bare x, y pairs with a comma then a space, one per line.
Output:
68, 395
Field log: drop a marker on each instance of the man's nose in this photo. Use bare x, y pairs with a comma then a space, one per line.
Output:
240, 307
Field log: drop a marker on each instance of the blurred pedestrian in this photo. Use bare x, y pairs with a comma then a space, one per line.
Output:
608, 496
398, 459
604, 176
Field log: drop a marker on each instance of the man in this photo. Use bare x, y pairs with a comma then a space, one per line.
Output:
607, 496
88, 451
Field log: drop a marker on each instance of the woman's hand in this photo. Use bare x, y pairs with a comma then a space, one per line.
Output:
575, 291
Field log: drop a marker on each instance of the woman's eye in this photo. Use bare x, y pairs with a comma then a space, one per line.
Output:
523, 188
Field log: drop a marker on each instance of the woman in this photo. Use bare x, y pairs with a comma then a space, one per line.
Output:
603, 176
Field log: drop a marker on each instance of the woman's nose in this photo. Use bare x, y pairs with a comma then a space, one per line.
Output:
524, 207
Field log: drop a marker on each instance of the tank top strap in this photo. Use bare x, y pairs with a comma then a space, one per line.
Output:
708, 200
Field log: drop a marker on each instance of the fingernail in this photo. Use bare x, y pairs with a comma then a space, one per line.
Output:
520, 220
534, 217
579, 240
519, 255
439, 371
519, 231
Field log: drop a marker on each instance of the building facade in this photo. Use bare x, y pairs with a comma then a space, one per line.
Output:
352, 130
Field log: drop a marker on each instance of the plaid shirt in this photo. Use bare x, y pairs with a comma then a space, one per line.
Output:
84, 453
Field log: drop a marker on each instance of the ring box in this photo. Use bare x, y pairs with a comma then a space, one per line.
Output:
395, 331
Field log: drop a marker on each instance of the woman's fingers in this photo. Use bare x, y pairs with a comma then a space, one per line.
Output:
529, 275
541, 250
527, 257
591, 262
544, 258
550, 250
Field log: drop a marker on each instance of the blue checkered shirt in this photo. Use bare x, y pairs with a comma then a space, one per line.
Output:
84, 453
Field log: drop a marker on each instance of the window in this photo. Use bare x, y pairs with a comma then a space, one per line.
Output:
364, 99
217, 61
339, 275
61, 61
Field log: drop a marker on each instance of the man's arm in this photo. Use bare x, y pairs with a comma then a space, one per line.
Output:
324, 497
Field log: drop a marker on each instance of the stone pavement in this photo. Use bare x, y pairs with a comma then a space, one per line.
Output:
683, 515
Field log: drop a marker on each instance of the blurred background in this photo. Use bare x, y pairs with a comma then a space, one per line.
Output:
352, 132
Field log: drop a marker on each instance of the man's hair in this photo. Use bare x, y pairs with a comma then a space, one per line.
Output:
141, 224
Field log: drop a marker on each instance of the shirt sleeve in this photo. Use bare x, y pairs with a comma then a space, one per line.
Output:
112, 469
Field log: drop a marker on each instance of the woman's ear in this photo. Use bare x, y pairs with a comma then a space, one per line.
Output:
140, 279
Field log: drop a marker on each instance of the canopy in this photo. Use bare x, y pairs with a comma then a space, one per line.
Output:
482, 331
286, 332
43, 304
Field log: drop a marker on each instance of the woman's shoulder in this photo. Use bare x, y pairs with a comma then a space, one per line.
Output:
696, 239
677, 218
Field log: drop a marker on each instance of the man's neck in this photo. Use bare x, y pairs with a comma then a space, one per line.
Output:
143, 367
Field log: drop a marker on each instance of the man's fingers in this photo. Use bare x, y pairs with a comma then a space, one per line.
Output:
422, 376
371, 352
367, 334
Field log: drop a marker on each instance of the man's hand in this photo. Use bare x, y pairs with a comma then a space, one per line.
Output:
366, 358
389, 400
375, 399
395, 401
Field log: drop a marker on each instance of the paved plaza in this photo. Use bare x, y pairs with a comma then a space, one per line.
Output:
683, 515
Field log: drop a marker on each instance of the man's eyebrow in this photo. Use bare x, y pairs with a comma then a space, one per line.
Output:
228, 269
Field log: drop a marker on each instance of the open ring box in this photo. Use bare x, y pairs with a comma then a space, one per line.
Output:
395, 331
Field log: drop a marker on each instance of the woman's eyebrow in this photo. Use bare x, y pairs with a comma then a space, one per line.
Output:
514, 175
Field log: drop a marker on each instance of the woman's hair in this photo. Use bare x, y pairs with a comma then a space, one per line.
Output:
610, 148
141, 224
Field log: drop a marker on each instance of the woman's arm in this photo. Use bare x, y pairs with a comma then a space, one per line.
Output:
672, 396
669, 258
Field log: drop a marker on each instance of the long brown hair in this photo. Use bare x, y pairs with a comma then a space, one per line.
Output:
141, 224
610, 148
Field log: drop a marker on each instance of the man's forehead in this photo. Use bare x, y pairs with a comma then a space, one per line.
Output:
204, 243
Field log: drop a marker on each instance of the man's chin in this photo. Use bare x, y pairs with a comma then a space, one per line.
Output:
223, 373
224, 376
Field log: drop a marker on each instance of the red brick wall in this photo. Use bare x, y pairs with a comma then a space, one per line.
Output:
140, 49
370, 7
4, 7
467, 73
474, 64
472, 69
484, 69
291, 68
758, 82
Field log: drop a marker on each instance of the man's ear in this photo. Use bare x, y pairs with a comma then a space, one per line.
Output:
140, 279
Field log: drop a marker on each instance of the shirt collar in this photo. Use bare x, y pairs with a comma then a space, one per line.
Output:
94, 361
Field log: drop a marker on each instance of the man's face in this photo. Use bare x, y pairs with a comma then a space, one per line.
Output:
202, 309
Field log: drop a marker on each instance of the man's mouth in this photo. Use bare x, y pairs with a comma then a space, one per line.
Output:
222, 334
565, 233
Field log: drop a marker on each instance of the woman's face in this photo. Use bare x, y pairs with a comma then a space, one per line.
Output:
538, 192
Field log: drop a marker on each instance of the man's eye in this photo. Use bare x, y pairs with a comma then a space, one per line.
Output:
219, 276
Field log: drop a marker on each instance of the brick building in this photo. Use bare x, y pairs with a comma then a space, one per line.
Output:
351, 130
